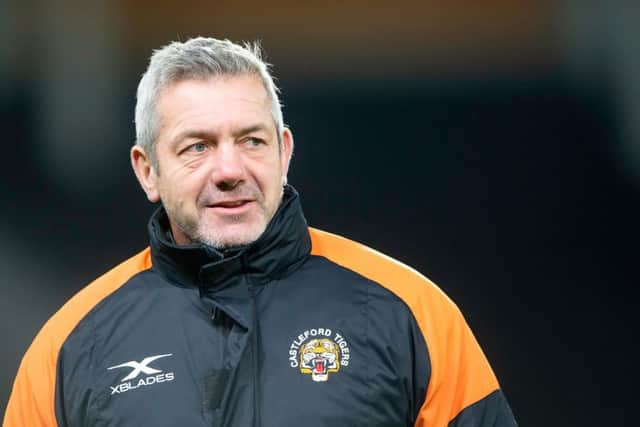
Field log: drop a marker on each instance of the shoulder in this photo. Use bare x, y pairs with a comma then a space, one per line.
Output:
55, 331
460, 373
412, 287
32, 399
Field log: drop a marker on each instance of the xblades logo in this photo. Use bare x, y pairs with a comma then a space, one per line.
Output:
141, 368
138, 368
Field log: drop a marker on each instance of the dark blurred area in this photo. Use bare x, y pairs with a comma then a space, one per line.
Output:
494, 146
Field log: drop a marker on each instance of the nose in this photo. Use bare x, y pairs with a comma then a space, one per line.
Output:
229, 169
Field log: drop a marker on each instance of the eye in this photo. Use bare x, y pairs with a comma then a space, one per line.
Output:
198, 147
254, 142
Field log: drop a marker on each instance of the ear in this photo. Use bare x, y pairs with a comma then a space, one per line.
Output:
286, 151
145, 172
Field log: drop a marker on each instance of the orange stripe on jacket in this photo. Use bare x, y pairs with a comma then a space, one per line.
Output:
460, 373
32, 401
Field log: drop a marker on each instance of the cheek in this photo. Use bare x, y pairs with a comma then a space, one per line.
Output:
179, 188
272, 184
273, 173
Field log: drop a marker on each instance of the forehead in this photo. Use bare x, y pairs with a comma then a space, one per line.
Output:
225, 101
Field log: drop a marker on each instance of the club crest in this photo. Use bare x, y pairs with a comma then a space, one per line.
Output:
319, 352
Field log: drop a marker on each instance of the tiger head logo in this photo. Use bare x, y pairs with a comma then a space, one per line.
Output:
318, 357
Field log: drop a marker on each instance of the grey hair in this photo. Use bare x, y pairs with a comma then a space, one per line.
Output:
198, 58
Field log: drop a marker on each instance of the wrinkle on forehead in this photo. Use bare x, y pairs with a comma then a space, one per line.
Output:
246, 94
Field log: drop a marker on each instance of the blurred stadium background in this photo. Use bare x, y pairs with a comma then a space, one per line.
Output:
494, 145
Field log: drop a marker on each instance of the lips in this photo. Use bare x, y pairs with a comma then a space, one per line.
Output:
230, 203
231, 207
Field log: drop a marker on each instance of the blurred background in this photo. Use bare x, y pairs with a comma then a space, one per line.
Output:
494, 145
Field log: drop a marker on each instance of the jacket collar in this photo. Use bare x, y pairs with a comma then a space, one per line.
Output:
278, 251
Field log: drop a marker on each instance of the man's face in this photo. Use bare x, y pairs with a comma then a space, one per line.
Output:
220, 167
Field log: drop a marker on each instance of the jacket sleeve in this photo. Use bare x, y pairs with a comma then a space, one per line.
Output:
32, 399
463, 390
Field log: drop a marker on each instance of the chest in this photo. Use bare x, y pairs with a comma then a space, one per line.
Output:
280, 358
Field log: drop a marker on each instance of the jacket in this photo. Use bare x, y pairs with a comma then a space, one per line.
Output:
302, 327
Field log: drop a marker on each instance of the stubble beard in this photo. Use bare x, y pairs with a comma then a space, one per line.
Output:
200, 230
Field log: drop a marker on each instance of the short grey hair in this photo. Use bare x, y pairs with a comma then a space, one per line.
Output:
198, 58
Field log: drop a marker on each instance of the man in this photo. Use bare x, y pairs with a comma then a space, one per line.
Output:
239, 314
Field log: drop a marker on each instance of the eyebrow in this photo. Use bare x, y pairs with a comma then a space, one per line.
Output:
203, 134
250, 129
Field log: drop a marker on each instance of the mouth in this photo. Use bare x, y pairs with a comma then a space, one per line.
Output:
319, 366
234, 206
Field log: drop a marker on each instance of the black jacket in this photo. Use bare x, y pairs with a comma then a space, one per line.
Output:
274, 334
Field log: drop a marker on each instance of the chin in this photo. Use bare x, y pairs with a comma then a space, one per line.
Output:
235, 235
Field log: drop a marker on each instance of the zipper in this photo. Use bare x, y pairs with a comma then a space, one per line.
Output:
255, 343
256, 377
